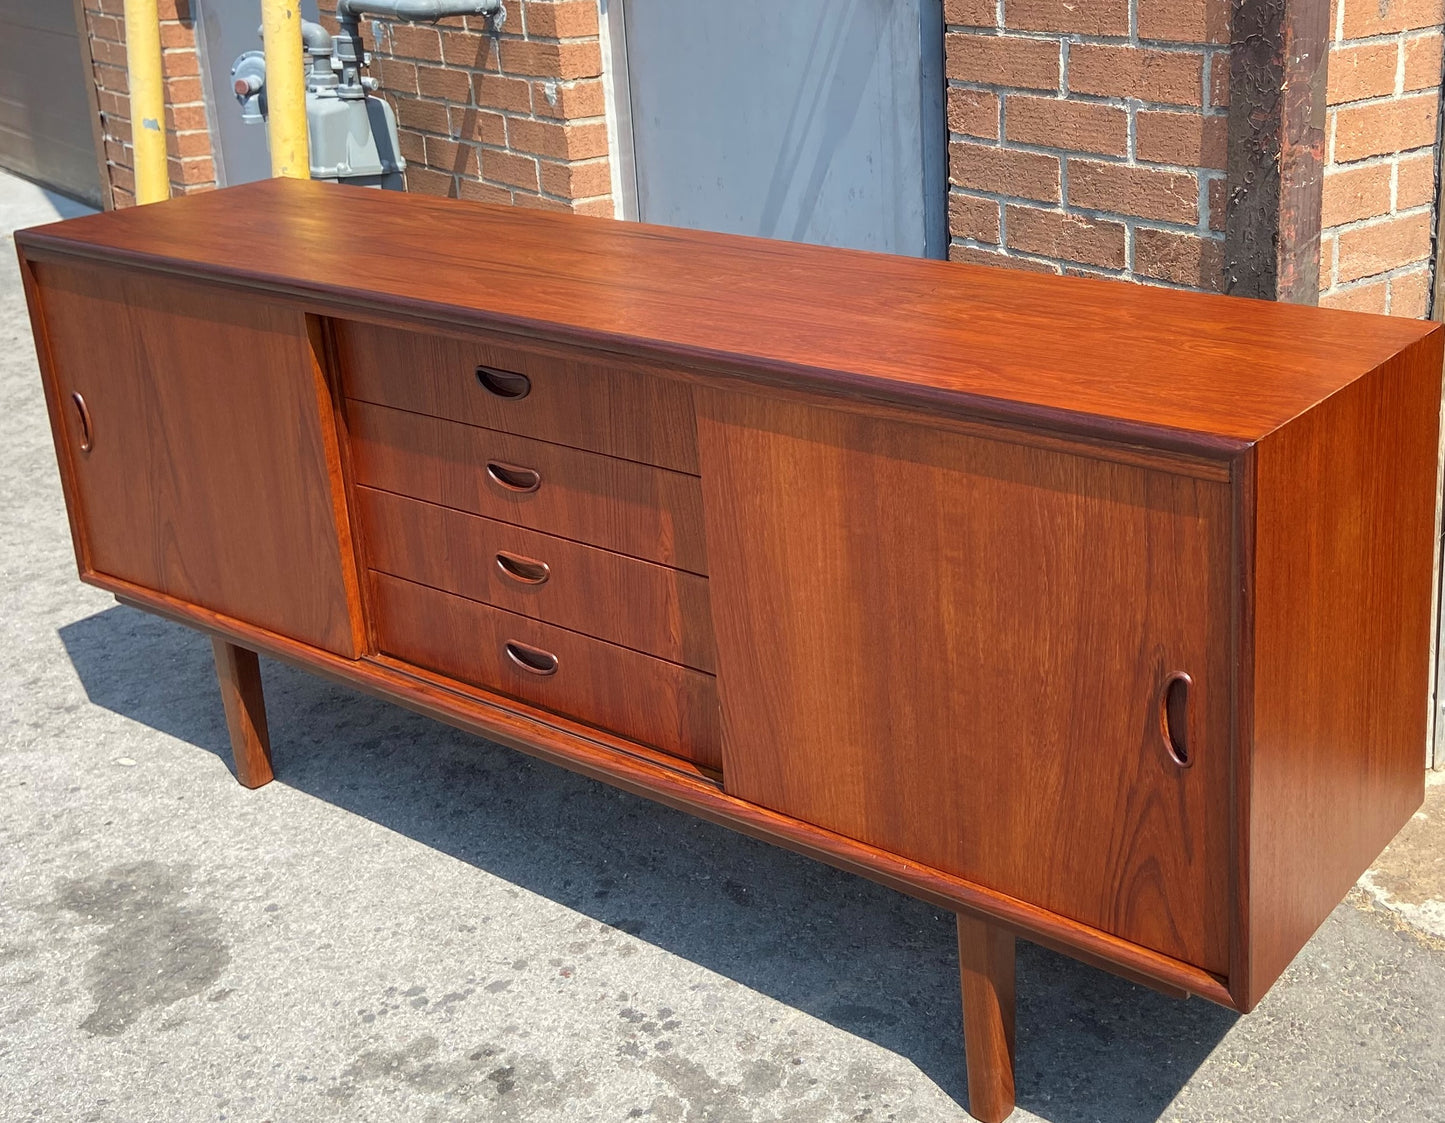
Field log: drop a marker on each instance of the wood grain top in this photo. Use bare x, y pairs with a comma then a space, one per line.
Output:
1102, 358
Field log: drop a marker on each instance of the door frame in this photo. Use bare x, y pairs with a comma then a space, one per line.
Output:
618, 92
622, 148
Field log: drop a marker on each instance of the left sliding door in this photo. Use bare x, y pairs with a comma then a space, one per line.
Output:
195, 432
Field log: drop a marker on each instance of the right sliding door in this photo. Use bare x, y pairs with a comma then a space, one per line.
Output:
1007, 661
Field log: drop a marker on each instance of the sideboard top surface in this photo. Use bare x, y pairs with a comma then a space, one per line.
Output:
1097, 357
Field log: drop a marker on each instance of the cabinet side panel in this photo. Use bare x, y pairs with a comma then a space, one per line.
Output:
1344, 522
211, 477
954, 649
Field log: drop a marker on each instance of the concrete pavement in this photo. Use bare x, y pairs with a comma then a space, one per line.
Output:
411, 924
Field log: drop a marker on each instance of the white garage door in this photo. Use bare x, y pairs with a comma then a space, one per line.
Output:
45, 110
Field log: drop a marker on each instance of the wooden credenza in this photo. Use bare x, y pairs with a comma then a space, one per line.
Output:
1097, 614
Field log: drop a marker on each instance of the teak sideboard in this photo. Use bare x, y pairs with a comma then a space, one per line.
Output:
1097, 614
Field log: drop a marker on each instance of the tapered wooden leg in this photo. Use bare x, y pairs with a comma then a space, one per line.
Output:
240, 675
986, 962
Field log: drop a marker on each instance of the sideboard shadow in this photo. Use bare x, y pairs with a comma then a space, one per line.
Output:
863, 958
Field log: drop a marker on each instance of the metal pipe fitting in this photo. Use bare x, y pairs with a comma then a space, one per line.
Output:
414, 11
315, 38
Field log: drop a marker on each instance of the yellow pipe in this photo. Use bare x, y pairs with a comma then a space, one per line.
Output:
147, 100
285, 89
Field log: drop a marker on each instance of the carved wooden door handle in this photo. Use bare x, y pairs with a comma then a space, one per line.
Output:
87, 432
1174, 717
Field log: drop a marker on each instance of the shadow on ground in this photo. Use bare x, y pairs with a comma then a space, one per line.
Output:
856, 955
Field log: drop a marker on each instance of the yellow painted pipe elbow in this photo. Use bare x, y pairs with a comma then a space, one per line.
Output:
285, 89
147, 100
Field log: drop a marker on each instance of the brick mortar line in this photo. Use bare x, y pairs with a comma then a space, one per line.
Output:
1379, 159
1197, 170
1364, 161
1084, 38
1388, 278
1378, 219
488, 72
1114, 100
488, 146
1384, 37
1422, 32
1093, 214
1003, 250
448, 135
1380, 99
1138, 222
518, 115
1125, 274
543, 194
1393, 274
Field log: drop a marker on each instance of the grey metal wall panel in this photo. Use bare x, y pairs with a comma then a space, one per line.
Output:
225, 29
811, 120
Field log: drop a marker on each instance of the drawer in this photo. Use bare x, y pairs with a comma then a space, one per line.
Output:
596, 406
634, 509
636, 696
650, 608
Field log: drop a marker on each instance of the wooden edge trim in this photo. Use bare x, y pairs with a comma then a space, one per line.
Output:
503, 721
1242, 724
50, 383
841, 385
332, 417
1275, 160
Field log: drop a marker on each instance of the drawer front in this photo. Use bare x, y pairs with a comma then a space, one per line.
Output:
648, 700
588, 405
650, 608
633, 509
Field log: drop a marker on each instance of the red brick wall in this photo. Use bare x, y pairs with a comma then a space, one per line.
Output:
1085, 136
187, 139
1384, 96
513, 117
1088, 136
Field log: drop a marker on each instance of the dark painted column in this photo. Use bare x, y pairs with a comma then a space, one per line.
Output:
1277, 63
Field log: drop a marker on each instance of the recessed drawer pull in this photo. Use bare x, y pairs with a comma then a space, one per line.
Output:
504, 383
533, 660
514, 477
1174, 717
87, 438
529, 571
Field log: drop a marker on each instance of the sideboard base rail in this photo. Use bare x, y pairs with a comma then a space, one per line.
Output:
548, 738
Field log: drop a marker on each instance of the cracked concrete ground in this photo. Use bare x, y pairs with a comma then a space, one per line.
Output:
412, 924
